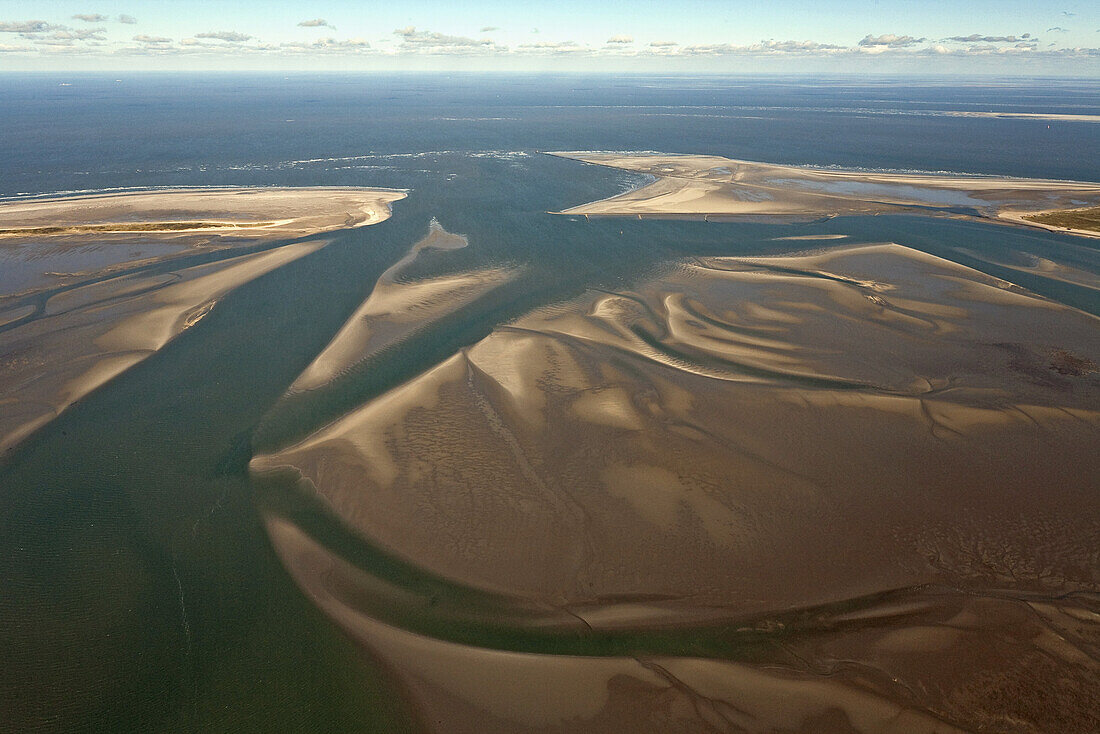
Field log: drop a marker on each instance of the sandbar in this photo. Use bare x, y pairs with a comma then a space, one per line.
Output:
869, 465
69, 333
714, 187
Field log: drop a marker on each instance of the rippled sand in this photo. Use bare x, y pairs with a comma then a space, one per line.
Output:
867, 469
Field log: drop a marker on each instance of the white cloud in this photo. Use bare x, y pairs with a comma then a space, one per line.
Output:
227, 36
766, 48
489, 29
316, 23
325, 45
127, 19
152, 40
83, 34
975, 38
27, 26
621, 39
889, 40
551, 47
429, 42
90, 17
663, 44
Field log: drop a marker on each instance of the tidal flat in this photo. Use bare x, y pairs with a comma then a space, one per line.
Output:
802, 446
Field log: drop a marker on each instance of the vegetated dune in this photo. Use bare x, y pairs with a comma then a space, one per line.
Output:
867, 460
65, 336
713, 186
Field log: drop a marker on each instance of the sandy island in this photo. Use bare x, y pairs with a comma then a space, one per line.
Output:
714, 187
63, 334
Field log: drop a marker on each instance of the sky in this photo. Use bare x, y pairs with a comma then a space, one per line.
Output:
1007, 37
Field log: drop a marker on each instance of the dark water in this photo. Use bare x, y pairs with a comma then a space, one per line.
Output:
139, 591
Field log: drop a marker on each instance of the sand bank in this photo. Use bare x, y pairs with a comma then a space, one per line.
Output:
733, 441
94, 326
260, 212
399, 307
51, 242
724, 411
713, 186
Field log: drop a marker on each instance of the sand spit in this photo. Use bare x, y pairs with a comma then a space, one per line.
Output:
713, 186
399, 307
47, 242
94, 326
1049, 116
261, 212
734, 439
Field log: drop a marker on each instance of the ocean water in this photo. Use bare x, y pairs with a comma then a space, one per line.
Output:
139, 590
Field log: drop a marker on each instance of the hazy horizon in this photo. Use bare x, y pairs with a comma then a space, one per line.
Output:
851, 36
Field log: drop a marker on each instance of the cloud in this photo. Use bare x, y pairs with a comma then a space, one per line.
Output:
84, 34
621, 39
316, 23
429, 42
152, 40
227, 36
663, 44
766, 48
127, 19
889, 40
1058, 29
90, 17
489, 29
975, 38
325, 45
551, 48
27, 26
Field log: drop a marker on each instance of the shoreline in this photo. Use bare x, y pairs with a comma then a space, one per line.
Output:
710, 186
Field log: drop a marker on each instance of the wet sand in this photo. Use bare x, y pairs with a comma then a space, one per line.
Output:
713, 186
399, 306
71, 333
827, 461
59, 241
